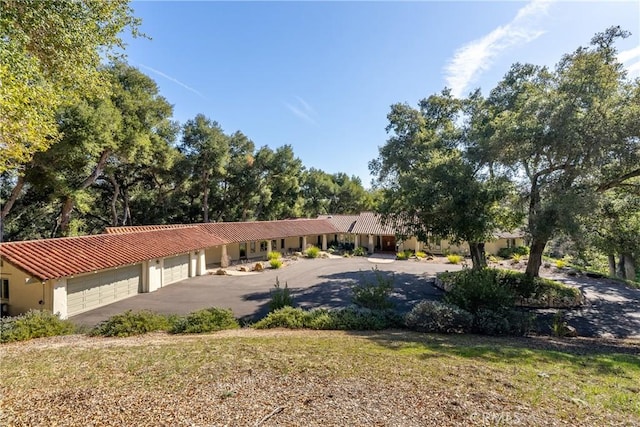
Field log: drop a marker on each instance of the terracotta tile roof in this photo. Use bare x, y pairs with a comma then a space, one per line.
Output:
370, 223
53, 258
130, 229
344, 223
233, 232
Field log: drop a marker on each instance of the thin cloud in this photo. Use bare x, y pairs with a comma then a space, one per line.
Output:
176, 81
472, 59
303, 110
631, 59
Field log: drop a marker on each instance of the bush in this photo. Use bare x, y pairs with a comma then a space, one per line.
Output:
507, 253
275, 263
33, 324
359, 251
131, 323
421, 254
312, 252
454, 259
363, 319
560, 264
280, 297
433, 316
207, 320
516, 258
474, 290
373, 295
502, 322
285, 317
274, 255
404, 255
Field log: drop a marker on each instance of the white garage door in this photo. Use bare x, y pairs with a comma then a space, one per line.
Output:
95, 290
175, 268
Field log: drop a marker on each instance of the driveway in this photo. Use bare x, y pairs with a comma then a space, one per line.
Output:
313, 283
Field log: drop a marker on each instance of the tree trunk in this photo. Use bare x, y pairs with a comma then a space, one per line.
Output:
114, 200
612, 264
15, 193
478, 256
205, 197
68, 204
535, 256
629, 267
620, 271
126, 214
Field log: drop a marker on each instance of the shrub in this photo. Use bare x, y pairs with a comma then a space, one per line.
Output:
207, 320
363, 319
507, 253
280, 297
33, 324
421, 254
285, 317
275, 263
433, 316
516, 258
402, 256
274, 255
312, 252
502, 322
359, 251
561, 264
373, 295
492, 258
474, 290
454, 259
131, 323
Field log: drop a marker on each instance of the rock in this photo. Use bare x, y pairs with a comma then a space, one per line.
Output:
221, 272
570, 331
258, 267
594, 275
244, 268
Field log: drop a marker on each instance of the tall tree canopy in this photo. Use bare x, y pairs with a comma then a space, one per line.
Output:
563, 135
50, 54
431, 188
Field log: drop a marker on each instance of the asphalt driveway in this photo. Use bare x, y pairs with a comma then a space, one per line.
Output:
313, 283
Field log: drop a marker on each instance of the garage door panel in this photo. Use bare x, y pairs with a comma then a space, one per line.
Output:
95, 290
175, 269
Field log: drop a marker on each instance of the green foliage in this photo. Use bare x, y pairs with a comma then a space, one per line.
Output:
202, 321
507, 253
285, 317
312, 252
347, 318
434, 316
454, 259
516, 258
131, 323
475, 290
359, 251
560, 263
51, 54
404, 255
375, 294
33, 324
502, 322
275, 263
274, 255
421, 254
280, 297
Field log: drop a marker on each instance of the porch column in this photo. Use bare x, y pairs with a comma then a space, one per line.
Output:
371, 245
224, 259
355, 244
59, 303
201, 268
417, 248
304, 243
324, 242
269, 248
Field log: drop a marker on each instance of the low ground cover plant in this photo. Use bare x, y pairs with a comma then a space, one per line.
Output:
346, 318
202, 321
131, 323
440, 317
274, 255
404, 255
359, 251
421, 254
507, 253
33, 324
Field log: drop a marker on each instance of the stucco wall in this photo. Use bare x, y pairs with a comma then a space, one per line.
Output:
25, 292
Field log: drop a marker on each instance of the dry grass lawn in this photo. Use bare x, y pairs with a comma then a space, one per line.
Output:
307, 378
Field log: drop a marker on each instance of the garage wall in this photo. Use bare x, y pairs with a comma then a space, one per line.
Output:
25, 292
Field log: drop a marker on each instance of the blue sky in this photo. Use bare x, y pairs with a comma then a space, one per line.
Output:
321, 76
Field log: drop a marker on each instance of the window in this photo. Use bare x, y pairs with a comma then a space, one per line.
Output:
281, 243
243, 250
252, 247
274, 245
4, 289
263, 246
